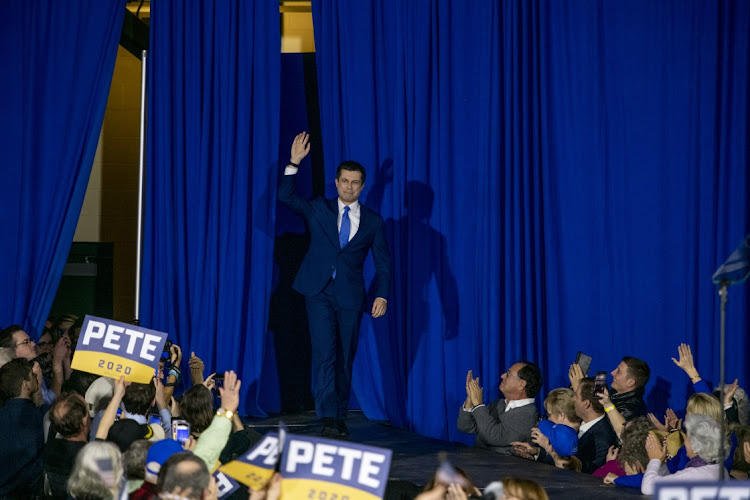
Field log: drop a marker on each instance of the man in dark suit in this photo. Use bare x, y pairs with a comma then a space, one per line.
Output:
342, 233
595, 435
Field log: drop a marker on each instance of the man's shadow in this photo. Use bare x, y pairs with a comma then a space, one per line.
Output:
423, 307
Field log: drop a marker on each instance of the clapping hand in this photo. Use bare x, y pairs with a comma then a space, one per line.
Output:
654, 449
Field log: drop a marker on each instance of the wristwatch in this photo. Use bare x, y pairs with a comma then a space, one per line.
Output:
221, 412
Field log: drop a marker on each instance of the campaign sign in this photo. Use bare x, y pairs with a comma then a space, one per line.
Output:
113, 349
325, 469
255, 467
707, 490
225, 484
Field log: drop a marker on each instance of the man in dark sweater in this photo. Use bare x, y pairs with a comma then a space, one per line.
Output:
69, 428
505, 420
628, 382
21, 429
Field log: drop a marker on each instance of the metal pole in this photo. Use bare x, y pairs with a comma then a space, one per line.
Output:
141, 183
722, 337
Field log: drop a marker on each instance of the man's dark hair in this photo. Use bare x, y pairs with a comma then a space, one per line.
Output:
196, 407
67, 414
586, 386
6, 336
138, 398
532, 375
184, 470
134, 459
12, 375
351, 166
638, 370
79, 382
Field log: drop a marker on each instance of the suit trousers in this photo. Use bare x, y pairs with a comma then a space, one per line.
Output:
334, 333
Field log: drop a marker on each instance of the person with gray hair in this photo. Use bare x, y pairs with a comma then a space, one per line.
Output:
703, 446
97, 472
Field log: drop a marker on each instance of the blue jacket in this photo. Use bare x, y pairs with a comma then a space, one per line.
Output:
325, 254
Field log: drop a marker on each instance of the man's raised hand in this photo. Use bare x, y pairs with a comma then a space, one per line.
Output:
300, 147
230, 393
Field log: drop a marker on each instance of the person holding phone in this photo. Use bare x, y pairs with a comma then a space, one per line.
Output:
595, 435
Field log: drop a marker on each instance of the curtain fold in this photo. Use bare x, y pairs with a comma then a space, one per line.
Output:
212, 165
554, 176
58, 70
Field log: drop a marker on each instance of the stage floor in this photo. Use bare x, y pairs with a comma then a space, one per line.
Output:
415, 458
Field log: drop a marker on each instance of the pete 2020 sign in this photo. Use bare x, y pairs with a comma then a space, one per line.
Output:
318, 468
113, 349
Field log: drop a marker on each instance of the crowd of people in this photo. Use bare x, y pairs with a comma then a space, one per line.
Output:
609, 432
72, 434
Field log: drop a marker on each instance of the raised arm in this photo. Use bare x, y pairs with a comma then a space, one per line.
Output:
287, 194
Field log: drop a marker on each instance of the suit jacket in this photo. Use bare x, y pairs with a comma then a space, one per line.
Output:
496, 428
325, 254
594, 445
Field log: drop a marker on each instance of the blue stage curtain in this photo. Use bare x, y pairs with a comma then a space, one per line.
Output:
556, 176
58, 61
212, 165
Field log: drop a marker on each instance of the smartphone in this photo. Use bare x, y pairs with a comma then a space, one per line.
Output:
219, 380
180, 430
154, 419
584, 361
600, 382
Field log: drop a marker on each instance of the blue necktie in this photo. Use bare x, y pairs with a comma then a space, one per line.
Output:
345, 228
346, 225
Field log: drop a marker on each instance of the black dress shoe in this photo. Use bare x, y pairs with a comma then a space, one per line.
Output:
343, 431
330, 430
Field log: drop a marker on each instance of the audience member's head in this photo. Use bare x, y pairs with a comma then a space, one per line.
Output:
134, 460
79, 382
99, 393
630, 374
518, 489
740, 462
63, 323
139, 398
159, 452
196, 407
17, 379
69, 415
125, 432
6, 354
560, 407
47, 341
15, 338
704, 438
522, 380
467, 486
701, 403
97, 472
633, 457
187, 473
587, 405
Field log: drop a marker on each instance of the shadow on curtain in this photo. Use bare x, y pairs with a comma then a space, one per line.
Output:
556, 177
58, 69
212, 164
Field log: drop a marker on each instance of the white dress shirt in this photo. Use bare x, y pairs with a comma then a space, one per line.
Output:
588, 425
354, 214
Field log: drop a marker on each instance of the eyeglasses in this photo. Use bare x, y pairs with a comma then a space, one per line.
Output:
45, 345
511, 374
27, 341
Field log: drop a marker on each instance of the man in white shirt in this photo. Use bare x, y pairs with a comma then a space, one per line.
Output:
508, 419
